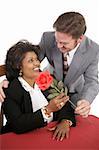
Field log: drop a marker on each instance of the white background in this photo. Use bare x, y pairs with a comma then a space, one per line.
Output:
28, 19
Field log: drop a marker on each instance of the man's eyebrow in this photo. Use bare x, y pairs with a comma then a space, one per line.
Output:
62, 42
65, 42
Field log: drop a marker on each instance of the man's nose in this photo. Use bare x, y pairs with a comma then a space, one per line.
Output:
59, 45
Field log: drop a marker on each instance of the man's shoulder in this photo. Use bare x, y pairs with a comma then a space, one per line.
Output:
47, 40
92, 44
49, 35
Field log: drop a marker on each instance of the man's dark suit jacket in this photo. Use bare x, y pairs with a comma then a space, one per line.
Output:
19, 113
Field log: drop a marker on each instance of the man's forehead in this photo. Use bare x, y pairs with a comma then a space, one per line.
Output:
63, 37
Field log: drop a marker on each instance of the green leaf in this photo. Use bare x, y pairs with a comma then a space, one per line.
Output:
66, 91
56, 94
52, 91
55, 82
50, 96
62, 90
60, 85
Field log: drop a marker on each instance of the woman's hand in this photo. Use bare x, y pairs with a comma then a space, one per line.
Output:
62, 130
5, 85
57, 103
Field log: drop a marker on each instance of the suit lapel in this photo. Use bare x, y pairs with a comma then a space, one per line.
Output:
76, 64
74, 68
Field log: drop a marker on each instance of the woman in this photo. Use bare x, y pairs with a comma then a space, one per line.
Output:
26, 106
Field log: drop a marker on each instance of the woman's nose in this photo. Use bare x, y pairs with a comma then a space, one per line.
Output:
37, 63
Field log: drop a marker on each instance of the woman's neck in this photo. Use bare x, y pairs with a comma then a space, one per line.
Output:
29, 81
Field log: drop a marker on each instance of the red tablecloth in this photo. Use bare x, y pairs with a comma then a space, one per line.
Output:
85, 136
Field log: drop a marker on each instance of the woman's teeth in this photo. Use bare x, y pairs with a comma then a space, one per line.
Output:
36, 69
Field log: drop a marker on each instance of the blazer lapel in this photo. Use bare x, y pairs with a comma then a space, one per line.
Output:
74, 68
76, 64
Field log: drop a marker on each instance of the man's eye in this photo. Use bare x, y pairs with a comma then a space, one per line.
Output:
65, 43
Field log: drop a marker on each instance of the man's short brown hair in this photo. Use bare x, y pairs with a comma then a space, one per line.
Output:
72, 23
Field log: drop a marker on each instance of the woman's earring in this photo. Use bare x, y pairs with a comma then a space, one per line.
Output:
20, 73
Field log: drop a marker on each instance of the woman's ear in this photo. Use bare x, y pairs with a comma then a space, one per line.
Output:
19, 66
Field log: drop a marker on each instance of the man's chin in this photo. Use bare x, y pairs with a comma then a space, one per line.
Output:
63, 51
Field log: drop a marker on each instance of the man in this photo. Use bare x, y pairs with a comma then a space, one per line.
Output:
81, 78
82, 75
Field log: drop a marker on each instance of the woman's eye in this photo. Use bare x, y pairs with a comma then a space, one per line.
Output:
31, 60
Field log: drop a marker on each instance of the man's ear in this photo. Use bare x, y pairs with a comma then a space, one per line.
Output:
80, 39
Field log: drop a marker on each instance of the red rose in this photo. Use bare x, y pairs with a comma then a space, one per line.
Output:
44, 80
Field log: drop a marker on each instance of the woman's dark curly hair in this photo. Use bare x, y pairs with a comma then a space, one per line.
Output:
15, 55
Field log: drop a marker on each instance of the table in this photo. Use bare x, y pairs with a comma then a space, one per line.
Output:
85, 136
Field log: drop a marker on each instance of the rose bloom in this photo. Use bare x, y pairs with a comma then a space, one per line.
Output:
44, 80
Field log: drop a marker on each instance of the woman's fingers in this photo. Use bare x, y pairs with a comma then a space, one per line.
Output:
61, 132
60, 102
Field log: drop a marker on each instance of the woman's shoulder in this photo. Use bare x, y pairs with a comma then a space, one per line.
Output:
15, 83
14, 88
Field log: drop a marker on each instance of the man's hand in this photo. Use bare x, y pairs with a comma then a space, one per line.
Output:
83, 108
5, 85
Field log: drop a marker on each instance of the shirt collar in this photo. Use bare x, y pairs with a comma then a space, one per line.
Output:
71, 53
26, 86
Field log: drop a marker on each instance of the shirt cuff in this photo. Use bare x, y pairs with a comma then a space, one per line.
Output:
46, 118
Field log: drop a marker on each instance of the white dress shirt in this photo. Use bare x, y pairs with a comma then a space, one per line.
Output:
71, 54
37, 98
